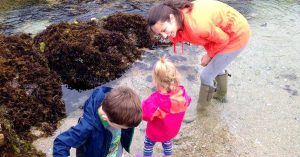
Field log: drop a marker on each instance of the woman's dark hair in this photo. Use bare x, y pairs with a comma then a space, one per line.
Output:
162, 11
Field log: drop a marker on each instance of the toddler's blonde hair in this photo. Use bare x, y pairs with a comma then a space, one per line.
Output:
166, 75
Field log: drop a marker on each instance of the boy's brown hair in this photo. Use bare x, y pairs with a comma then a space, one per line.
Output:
123, 106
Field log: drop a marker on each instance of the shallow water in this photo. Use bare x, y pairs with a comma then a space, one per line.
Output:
262, 115
40, 16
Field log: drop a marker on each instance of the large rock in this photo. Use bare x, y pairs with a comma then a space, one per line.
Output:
133, 26
30, 94
84, 54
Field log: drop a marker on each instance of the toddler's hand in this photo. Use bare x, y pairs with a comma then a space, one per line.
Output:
205, 60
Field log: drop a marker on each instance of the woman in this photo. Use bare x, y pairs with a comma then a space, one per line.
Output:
216, 26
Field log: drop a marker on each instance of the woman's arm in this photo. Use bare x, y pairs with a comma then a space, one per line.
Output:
218, 40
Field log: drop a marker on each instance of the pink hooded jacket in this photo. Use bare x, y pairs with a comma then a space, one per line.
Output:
164, 114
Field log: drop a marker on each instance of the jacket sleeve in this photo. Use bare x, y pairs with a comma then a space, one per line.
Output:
74, 137
151, 110
218, 40
149, 107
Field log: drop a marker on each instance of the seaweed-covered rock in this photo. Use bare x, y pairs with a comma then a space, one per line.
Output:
30, 94
84, 54
132, 26
13, 145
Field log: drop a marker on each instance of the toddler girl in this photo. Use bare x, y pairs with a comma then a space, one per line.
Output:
164, 109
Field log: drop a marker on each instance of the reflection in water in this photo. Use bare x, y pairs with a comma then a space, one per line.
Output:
11, 4
13, 21
74, 99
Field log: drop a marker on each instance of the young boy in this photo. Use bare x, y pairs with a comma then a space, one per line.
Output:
106, 127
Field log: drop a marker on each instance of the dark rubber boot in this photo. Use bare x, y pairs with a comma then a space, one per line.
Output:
205, 95
221, 90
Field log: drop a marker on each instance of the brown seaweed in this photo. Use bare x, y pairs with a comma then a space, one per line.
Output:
132, 26
30, 95
84, 54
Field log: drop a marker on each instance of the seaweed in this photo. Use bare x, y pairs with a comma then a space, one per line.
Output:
12, 144
84, 54
30, 95
133, 26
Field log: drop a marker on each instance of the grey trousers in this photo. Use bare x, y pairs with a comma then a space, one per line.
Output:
217, 66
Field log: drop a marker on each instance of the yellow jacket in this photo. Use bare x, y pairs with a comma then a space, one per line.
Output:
214, 25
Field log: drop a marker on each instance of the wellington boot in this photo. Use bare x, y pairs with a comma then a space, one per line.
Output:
205, 95
221, 90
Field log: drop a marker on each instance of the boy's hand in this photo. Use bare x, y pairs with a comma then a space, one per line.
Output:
205, 60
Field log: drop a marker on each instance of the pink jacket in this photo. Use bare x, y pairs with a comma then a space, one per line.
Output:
164, 114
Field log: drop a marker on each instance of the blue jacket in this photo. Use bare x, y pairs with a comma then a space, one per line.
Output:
89, 134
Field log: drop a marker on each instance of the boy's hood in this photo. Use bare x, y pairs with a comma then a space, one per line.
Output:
90, 109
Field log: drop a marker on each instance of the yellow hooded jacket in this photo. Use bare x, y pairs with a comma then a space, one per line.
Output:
214, 25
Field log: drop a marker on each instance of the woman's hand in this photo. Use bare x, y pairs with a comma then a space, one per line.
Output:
205, 60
